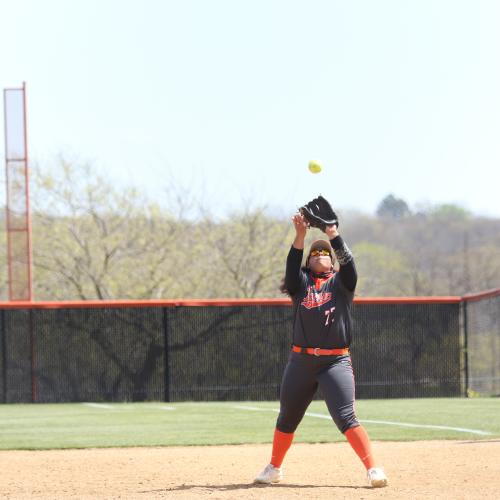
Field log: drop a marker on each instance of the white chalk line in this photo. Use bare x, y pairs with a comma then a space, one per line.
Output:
382, 422
424, 426
102, 406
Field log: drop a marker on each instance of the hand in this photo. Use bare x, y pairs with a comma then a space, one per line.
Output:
331, 231
300, 225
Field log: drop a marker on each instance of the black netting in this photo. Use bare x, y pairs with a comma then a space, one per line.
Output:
407, 350
227, 353
483, 346
216, 353
84, 355
16, 356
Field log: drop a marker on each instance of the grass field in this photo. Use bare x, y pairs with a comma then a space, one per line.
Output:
85, 425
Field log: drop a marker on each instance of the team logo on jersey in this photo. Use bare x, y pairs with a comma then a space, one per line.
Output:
315, 299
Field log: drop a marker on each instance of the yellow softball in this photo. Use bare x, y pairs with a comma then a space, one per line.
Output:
314, 167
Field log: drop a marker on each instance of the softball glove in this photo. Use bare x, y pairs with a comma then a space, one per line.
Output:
319, 213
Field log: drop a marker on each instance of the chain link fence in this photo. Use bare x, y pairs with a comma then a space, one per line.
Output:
237, 350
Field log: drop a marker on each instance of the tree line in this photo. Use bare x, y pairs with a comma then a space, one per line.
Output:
92, 240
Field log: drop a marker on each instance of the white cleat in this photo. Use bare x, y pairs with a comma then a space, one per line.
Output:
377, 477
270, 474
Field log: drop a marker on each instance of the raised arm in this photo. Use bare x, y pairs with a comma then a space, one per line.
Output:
294, 259
347, 271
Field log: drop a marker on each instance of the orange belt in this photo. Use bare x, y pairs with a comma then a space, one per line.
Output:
317, 351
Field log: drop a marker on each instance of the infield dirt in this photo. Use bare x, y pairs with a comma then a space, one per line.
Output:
416, 470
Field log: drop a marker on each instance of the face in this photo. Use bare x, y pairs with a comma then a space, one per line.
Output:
320, 261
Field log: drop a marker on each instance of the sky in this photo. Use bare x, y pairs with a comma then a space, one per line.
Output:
232, 98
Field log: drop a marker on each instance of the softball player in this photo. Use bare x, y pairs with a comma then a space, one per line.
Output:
322, 300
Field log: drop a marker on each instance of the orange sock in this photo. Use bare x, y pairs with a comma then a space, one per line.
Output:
360, 442
281, 443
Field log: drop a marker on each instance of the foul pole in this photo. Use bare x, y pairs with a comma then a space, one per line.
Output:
18, 218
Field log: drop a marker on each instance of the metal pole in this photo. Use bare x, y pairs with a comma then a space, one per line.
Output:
34, 382
27, 192
166, 375
465, 348
4, 357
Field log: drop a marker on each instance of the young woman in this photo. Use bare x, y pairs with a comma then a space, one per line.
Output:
322, 299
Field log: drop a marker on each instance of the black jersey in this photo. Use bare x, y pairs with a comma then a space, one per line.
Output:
322, 304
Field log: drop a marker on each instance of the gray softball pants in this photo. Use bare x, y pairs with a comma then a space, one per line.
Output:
303, 374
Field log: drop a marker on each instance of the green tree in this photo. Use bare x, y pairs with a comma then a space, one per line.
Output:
449, 211
251, 251
3, 259
382, 271
393, 207
92, 241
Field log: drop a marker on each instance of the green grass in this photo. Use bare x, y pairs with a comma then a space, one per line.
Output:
54, 426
